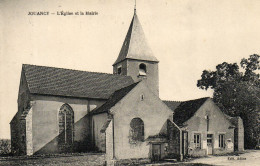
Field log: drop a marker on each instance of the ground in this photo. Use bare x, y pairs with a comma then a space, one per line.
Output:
247, 158
64, 160
250, 157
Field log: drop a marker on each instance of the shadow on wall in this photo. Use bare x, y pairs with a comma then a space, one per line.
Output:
81, 143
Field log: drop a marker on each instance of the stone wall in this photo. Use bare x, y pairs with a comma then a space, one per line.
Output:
198, 125
29, 139
16, 145
134, 161
109, 144
197, 152
154, 114
18, 134
45, 123
152, 76
99, 139
240, 134
174, 140
18, 123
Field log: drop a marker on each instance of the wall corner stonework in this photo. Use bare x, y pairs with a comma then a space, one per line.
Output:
109, 144
29, 140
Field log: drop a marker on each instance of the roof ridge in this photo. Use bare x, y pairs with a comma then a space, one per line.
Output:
72, 83
197, 99
75, 70
126, 44
114, 99
173, 101
186, 100
133, 84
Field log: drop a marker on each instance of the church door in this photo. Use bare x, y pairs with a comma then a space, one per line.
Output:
156, 152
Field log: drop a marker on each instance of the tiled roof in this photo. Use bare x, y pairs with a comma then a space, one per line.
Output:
115, 98
186, 110
172, 104
135, 45
73, 83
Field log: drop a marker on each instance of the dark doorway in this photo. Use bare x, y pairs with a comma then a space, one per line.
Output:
156, 152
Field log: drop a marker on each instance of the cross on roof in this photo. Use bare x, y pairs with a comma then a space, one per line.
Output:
135, 7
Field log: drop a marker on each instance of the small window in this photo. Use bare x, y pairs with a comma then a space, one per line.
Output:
119, 70
142, 97
142, 69
197, 140
221, 141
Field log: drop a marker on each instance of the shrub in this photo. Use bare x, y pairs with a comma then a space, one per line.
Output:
5, 147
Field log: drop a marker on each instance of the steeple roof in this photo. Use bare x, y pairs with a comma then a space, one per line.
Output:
135, 45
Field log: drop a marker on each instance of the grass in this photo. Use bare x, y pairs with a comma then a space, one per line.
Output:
57, 159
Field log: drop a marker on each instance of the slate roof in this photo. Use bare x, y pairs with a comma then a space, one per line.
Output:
135, 45
186, 110
113, 99
73, 83
172, 104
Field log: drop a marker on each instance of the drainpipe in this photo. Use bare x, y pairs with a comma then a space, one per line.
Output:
181, 155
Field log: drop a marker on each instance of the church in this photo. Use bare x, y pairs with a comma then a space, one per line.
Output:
120, 114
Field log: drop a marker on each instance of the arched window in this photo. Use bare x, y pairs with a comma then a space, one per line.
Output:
142, 69
66, 125
137, 129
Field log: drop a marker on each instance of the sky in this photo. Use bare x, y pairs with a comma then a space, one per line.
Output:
186, 36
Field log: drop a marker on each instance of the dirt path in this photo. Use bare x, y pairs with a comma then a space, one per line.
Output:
251, 158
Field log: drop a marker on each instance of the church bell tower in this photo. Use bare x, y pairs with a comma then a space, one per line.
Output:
136, 58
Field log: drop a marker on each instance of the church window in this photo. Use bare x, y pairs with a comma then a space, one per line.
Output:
197, 140
66, 125
142, 69
221, 140
119, 70
137, 129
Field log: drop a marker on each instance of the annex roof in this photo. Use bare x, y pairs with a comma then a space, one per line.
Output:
135, 45
187, 109
113, 99
172, 104
73, 83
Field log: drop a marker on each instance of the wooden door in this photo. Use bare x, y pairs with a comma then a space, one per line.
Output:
156, 152
210, 144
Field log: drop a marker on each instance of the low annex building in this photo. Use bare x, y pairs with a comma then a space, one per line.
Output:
120, 114
203, 129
